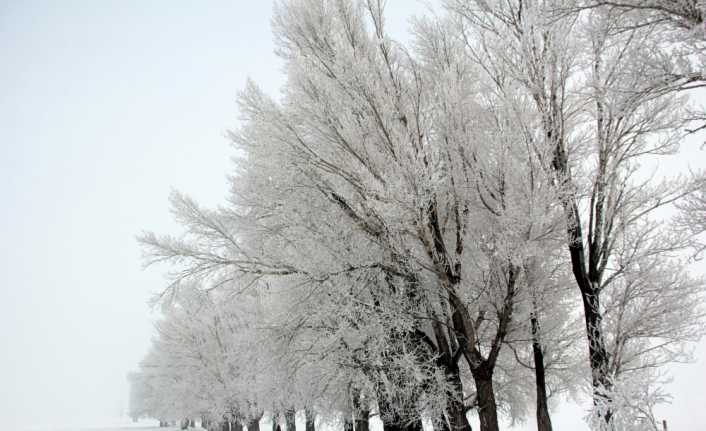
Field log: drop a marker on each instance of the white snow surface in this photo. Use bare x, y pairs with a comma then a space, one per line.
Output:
119, 424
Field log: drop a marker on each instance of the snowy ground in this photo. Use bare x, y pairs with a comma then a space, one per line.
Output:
562, 420
110, 425
128, 428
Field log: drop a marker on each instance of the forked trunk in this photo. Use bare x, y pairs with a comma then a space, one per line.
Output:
586, 277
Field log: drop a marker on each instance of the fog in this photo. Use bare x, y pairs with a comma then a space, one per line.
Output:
105, 107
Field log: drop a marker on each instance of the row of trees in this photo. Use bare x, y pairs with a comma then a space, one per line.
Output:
469, 223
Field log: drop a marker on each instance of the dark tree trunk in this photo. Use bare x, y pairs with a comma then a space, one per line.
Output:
204, 422
457, 417
290, 420
441, 424
456, 411
254, 425
389, 425
487, 408
361, 421
192, 423
392, 421
482, 368
361, 413
587, 278
236, 426
414, 425
598, 358
347, 424
447, 359
544, 422
310, 418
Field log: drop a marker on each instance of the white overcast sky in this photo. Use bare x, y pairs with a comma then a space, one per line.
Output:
104, 107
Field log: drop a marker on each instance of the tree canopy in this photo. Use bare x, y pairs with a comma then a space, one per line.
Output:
463, 224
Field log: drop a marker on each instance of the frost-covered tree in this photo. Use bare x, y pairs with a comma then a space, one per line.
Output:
678, 14
603, 112
692, 219
678, 60
361, 106
196, 365
548, 342
402, 221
